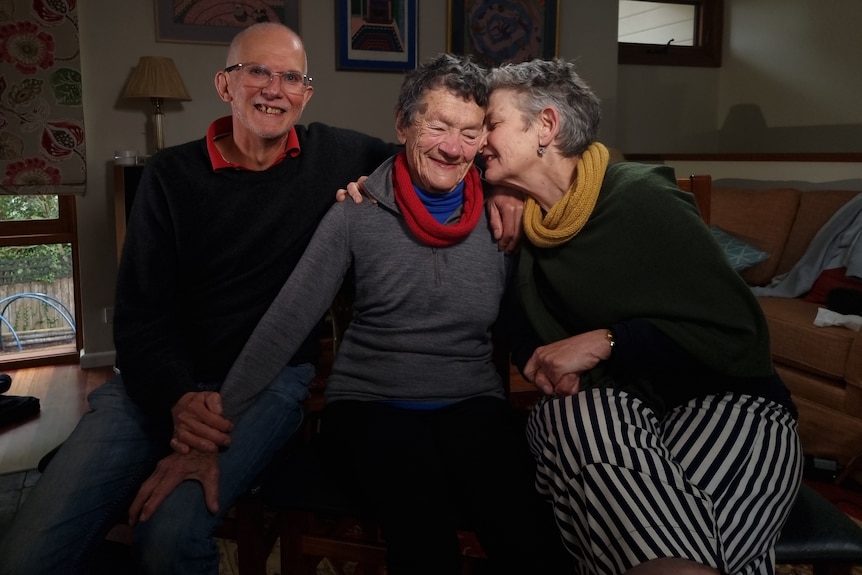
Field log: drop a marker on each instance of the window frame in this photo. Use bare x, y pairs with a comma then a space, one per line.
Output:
706, 52
24, 232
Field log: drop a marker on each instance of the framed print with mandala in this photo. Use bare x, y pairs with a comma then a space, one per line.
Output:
218, 21
501, 31
376, 35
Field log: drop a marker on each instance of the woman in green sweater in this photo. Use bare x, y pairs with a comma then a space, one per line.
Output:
666, 441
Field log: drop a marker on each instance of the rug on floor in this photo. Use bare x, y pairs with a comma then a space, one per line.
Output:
229, 566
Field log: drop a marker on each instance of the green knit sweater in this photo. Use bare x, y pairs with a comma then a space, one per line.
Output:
646, 253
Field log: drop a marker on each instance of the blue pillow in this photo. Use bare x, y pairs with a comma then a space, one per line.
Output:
740, 254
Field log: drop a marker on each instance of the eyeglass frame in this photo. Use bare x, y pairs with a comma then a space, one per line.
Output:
306, 79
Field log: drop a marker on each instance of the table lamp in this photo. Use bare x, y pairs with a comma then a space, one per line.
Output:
156, 78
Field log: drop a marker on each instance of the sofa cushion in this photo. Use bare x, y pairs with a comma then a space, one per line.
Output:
740, 255
762, 218
815, 209
797, 342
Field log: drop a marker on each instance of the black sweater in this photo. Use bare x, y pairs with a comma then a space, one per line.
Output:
205, 254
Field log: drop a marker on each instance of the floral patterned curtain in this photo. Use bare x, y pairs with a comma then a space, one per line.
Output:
41, 114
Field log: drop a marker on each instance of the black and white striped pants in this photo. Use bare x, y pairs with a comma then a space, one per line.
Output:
713, 482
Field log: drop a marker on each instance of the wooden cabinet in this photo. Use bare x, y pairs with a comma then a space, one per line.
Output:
126, 180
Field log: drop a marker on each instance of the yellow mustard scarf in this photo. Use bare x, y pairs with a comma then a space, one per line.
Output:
566, 218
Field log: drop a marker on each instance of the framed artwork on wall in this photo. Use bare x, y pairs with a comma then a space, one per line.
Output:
217, 21
501, 31
376, 35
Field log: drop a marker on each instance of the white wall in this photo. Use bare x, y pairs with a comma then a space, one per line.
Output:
790, 81
800, 59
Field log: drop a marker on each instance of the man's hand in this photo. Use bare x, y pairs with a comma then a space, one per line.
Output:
199, 423
354, 189
506, 216
170, 472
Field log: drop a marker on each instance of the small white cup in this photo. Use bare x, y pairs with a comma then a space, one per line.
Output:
126, 157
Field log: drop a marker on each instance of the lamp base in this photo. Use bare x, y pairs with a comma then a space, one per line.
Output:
158, 124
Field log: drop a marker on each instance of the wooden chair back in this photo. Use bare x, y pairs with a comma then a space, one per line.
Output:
700, 186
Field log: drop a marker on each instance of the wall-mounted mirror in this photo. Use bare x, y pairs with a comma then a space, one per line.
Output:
670, 32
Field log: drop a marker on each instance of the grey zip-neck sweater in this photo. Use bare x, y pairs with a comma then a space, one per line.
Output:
421, 330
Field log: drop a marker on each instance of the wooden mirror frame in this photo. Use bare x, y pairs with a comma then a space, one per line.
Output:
707, 52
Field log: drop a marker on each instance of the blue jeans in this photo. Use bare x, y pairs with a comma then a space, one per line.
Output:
92, 480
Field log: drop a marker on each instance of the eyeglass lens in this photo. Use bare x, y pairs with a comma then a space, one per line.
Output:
259, 76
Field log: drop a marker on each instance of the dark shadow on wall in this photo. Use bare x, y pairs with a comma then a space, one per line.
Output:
745, 131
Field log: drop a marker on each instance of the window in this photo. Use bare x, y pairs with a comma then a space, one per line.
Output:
38, 275
670, 33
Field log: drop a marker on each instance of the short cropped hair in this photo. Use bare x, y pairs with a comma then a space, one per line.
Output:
554, 83
458, 74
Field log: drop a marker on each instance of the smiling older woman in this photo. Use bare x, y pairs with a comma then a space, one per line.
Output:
666, 441
415, 410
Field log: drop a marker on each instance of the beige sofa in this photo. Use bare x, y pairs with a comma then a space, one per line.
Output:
822, 366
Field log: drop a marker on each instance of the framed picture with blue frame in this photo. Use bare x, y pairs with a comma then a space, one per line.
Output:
496, 32
376, 35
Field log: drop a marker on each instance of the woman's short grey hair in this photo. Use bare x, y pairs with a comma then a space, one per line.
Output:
458, 74
554, 83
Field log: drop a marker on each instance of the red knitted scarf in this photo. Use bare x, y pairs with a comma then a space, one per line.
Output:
423, 225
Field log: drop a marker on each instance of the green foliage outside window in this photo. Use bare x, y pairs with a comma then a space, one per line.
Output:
27, 264
34, 207
38, 263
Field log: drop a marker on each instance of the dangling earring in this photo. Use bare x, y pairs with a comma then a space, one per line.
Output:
541, 150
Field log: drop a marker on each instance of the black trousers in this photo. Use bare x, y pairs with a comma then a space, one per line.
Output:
427, 473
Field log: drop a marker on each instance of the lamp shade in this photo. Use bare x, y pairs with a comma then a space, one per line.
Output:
156, 77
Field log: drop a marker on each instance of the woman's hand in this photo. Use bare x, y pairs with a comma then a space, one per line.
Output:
556, 368
506, 216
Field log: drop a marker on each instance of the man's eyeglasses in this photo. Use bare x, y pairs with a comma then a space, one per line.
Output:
259, 76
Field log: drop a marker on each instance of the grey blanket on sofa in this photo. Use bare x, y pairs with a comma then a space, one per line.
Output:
837, 244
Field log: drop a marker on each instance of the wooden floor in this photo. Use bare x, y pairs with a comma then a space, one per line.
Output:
62, 391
